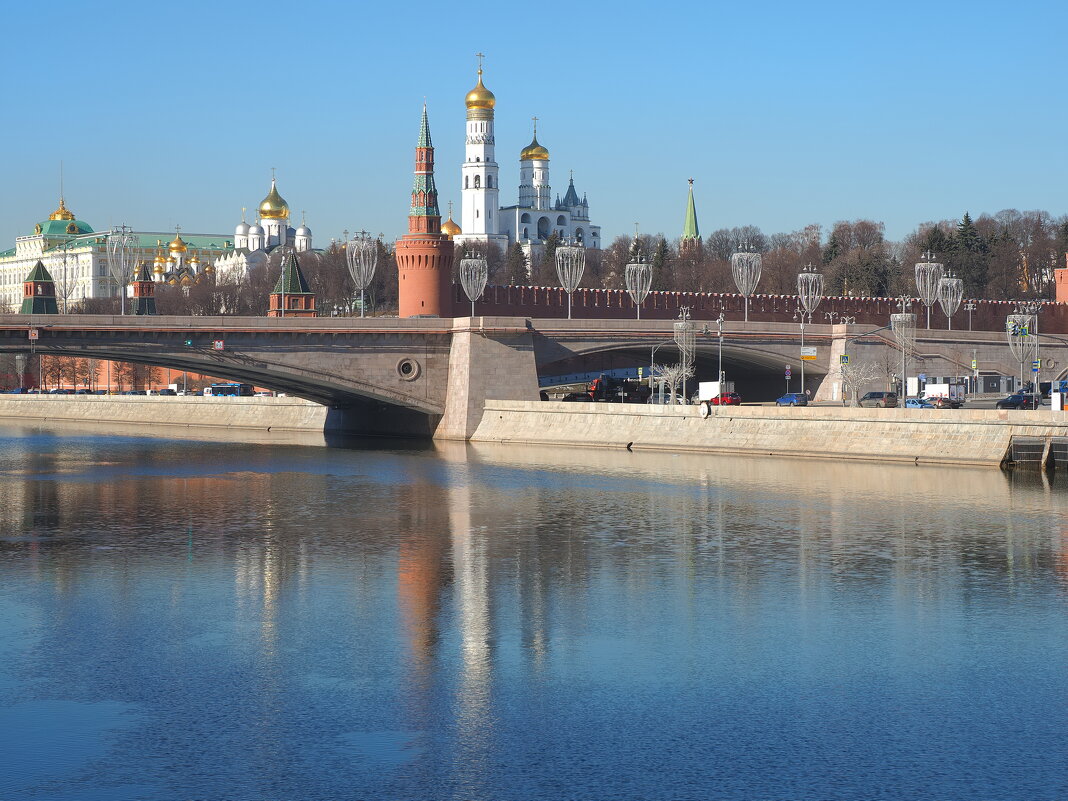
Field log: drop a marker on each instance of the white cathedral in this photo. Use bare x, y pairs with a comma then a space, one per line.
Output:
253, 243
535, 217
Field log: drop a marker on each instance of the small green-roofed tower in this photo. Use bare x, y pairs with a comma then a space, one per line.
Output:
39, 292
292, 297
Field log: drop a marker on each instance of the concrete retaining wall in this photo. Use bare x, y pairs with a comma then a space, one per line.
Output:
142, 411
907, 435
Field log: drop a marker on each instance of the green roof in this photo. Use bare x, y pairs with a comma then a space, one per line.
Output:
291, 280
7, 254
146, 240
61, 227
39, 273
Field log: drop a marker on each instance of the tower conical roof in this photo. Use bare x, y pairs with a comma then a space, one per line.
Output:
424, 190
689, 227
291, 280
424, 131
571, 198
40, 273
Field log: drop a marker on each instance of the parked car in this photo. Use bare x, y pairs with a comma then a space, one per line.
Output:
792, 399
727, 399
577, 397
1019, 400
169, 392
884, 400
918, 403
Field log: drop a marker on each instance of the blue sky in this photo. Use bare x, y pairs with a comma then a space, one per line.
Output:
784, 113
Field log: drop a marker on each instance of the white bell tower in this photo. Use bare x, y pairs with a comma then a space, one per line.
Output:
480, 187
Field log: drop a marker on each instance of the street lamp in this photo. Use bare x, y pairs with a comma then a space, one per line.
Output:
120, 247
928, 276
570, 264
746, 264
361, 253
904, 327
1021, 329
950, 291
474, 272
686, 338
639, 277
969, 307
810, 293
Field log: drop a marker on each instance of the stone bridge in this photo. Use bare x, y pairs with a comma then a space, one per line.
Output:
431, 376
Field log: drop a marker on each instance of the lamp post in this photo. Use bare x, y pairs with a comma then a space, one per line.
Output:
904, 327
928, 276
746, 264
120, 247
570, 264
639, 277
685, 335
950, 291
1021, 329
361, 254
474, 272
810, 294
969, 307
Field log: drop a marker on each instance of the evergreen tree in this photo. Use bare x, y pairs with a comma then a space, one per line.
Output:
515, 266
658, 266
968, 257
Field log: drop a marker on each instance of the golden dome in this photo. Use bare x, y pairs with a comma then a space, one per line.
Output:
62, 213
480, 96
177, 245
534, 151
450, 228
159, 259
273, 207
195, 259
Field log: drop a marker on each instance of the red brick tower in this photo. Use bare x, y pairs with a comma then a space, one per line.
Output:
144, 291
1060, 277
424, 254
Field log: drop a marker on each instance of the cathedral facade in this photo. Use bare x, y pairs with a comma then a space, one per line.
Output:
536, 217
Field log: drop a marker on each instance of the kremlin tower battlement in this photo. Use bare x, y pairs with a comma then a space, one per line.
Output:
425, 254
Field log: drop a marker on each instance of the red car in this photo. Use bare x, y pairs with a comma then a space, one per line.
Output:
727, 399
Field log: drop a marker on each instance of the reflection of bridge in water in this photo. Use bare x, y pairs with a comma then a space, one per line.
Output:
429, 375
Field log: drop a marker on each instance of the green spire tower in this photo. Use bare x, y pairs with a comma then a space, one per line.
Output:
691, 234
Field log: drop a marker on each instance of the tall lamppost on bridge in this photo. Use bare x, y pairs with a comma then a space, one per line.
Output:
810, 294
950, 291
928, 276
474, 272
639, 278
746, 264
903, 326
120, 247
686, 339
361, 254
570, 264
969, 307
719, 331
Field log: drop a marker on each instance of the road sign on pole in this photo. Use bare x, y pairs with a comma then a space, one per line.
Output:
217, 344
808, 354
34, 333
1035, 365
843, 359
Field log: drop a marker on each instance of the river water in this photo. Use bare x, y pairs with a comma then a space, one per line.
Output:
184, 619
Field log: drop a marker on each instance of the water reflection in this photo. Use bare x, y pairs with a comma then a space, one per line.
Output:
520, 622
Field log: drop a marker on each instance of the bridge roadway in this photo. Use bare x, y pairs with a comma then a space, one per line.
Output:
430, 376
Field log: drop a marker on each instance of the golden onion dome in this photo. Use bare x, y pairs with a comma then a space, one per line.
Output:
159, 258
534, 151
273, 207
177, 245
195, 259
450, 228
62, 213
480, 96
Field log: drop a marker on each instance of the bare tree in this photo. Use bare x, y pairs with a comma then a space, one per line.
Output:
855, 377
673, 375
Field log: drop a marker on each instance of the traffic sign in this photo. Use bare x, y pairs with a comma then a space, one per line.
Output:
217, 344
1036, 364
34, 333
808, 354
922, 376
639, 372
787, 371
975, 364
843, 359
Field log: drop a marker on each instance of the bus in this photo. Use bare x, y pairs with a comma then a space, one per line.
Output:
242, 390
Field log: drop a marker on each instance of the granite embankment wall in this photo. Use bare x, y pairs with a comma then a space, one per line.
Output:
962, 437
144, 412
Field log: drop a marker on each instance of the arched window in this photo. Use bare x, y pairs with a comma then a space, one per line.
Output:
478, 158
526, 233
466, 183
478, 181
543, 228
560, 220
525, 218
578, 235
489, 182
